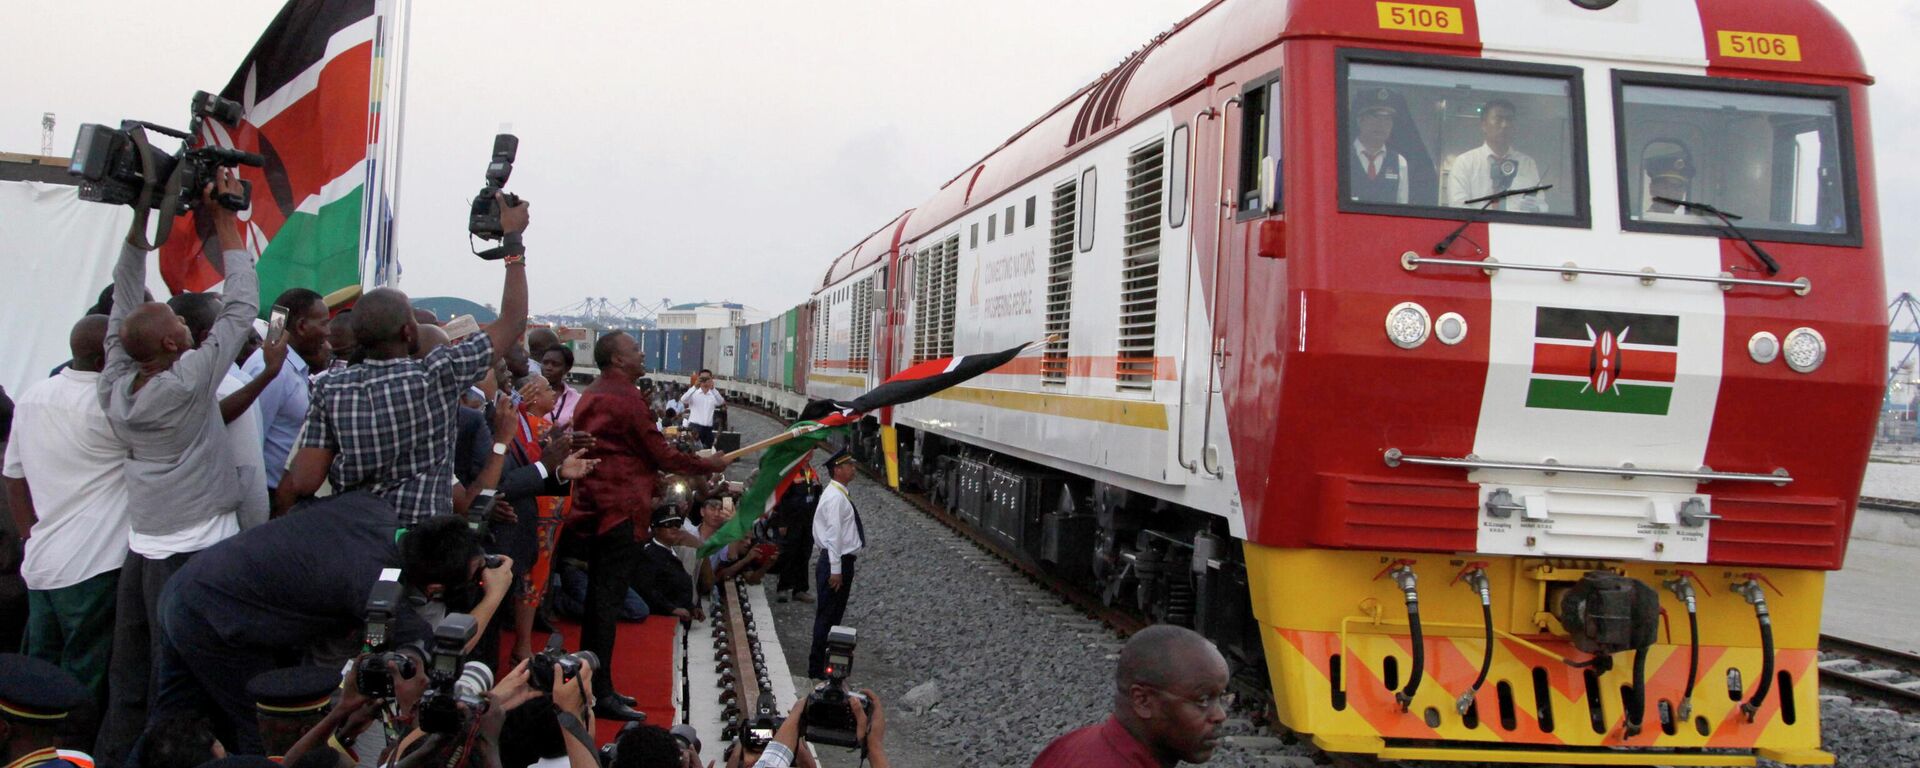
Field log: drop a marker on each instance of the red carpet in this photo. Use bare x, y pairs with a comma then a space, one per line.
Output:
642, 667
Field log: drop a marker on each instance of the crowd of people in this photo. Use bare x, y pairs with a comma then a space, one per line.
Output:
332, 539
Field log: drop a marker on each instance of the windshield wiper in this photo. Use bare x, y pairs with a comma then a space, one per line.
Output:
1485, 201
1773, 267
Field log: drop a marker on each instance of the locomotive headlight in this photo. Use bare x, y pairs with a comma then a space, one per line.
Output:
1450, 329
1763, 347
1805, 349
1408, 325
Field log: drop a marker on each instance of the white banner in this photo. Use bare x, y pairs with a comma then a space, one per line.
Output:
56, 254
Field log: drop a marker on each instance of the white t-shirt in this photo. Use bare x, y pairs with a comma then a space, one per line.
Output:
700, 405
71, 459
243, 435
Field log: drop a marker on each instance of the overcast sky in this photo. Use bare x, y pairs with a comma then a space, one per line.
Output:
704, 151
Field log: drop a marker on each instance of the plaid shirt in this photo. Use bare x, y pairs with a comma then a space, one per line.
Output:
391, 425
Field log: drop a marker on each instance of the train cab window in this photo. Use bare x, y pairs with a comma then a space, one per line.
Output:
1450, 138
1259, 188
993, 225
1775, 155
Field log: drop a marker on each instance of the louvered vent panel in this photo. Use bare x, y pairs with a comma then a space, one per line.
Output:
1140, 268
1053, 360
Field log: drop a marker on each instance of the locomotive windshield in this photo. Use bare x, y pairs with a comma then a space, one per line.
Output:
1440, 141
1776, 159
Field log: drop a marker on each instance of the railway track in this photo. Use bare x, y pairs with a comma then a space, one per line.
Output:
1870, 671
1891, 505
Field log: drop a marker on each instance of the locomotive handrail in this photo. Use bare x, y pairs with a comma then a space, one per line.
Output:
1395, 458
1802, 286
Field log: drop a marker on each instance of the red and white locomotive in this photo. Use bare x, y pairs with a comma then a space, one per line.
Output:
1404, 349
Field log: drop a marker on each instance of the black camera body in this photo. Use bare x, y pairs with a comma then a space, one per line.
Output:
540, 669
372, 675
118, 167
830, 706
483, 219
766, 722
456, 690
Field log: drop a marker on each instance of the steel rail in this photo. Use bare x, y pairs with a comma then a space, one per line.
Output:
1874, 657
1891, 505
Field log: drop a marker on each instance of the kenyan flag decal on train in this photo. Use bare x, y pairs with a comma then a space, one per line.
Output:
1590, 360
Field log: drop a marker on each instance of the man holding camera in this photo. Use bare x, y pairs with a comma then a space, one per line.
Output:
388, 424
160, 394
837, 529
300, 581
619, 497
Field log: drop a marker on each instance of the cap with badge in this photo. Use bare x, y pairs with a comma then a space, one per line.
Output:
35, 691
1667, 160
1374, 100
295, 692
839, 457
667, 516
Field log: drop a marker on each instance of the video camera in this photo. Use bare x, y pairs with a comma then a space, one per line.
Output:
372, 675
483, 220
456, 692
540, 670
830, 706
118, 166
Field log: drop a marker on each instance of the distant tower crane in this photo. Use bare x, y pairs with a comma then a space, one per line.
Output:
46, 134
1903, 332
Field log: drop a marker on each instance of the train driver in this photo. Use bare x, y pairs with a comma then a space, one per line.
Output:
1668, 168
1376, 174
1494, 166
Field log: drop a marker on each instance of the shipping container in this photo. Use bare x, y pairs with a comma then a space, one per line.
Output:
739, 368
653, 346
718, 356
684, 352
791, 324
760, 366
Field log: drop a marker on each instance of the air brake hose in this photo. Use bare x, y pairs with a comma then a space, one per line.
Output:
1751, 590
1476, 578
1682, 587
1404, 576
1637, 698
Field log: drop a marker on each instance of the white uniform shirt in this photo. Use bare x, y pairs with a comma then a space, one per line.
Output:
700, 405
71, 459
249, 456
833, 527
1469, 178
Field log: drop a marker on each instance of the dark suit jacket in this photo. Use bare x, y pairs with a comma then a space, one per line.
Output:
662, 580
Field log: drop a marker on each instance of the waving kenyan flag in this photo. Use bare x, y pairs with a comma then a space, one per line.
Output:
310, 91
1589, 360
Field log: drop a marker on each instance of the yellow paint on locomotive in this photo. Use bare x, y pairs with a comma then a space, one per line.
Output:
1318, 605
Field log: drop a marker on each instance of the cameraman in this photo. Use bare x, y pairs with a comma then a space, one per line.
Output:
298, 582
572, 707
160, 395
780, 752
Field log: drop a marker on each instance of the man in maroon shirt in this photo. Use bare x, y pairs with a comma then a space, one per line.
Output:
617, 499
1170, 697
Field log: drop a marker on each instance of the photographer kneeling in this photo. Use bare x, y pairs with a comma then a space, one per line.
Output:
302, 581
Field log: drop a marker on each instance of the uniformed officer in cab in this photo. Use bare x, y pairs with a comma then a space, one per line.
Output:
1669, 174
1375, 173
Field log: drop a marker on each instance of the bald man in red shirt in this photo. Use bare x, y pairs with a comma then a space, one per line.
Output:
1170, 697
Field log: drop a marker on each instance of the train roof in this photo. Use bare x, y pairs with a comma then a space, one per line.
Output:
1183, 60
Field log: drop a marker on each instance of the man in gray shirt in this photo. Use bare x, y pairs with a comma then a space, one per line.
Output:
183, 488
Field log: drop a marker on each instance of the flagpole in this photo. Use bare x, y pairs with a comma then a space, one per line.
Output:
773, 441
